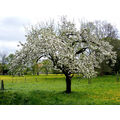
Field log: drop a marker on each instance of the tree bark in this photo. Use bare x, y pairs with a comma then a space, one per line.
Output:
68, 83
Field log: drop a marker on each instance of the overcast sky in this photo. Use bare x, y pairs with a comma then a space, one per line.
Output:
16, 14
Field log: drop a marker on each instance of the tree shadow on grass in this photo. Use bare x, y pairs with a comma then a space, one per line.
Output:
57, 98
38, 97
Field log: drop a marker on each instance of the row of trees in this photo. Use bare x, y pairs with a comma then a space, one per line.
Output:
44, 67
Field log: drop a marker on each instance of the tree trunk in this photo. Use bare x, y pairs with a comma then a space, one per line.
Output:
68, 84
89, 80
2, 85
37, 73
117, 79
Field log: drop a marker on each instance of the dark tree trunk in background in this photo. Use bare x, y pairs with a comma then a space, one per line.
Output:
2, 85
68, 83
117, 79
37, 73
2, 70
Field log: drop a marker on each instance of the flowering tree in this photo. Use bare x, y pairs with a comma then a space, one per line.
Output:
70, 50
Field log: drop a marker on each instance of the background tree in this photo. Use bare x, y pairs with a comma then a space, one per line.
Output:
36, 68
106, 32
3, 65
110, 34
9, 59
70, 50
116, 47
46, 66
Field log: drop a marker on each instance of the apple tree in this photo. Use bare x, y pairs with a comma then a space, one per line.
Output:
70, 49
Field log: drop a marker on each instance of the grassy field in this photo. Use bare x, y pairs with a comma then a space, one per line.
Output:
49, 90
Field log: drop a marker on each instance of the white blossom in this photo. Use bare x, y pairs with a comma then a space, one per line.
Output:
70, 50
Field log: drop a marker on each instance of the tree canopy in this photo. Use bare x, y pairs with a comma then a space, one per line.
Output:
71, 50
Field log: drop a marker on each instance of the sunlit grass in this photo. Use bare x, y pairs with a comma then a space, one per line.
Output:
49, 89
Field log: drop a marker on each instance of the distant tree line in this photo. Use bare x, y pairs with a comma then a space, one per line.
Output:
42, 67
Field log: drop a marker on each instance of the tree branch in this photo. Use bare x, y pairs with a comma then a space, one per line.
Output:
81, 50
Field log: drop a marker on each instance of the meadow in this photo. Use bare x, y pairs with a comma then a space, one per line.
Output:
49, 90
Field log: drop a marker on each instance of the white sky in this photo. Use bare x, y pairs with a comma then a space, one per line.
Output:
15, 14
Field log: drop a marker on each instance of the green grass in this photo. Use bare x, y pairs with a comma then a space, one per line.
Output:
49, 90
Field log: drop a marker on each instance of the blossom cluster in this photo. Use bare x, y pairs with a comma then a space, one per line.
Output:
70, 49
